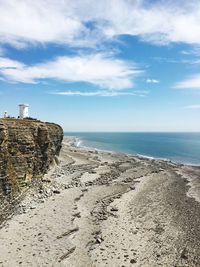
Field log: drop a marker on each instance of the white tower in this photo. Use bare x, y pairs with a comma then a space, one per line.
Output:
5, 114
23, 111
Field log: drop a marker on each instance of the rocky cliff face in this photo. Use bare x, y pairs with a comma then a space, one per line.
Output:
27, 149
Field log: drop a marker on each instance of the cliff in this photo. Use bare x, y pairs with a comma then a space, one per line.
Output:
27, 149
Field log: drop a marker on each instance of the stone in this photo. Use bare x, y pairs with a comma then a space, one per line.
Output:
56, 191
33, 207
184, 254
114, 209
132, 187
133, 261
99, 240
84, 189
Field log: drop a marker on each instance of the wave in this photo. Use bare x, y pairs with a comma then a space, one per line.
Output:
78, 142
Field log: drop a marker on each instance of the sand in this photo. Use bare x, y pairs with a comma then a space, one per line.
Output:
104, 209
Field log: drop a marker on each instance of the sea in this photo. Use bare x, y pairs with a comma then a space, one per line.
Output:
177, 147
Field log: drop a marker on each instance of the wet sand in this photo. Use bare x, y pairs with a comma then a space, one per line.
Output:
104, 209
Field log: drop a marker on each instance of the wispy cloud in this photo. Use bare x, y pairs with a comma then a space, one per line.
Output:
100, 69
192, 82
194, 51
192, 55
87, 22
166, 60
152, 81
192, 107
101, 93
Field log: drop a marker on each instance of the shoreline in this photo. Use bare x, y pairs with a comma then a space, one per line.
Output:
140, 156
100, 209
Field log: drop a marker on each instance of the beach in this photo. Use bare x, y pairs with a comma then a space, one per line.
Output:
102, 209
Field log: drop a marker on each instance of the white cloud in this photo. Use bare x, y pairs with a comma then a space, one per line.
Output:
26, 21
192, 82
99, 93
86, 22
6, 63
152, 81
193, 107
98, 69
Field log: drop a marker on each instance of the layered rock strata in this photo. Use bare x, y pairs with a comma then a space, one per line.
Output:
27, 149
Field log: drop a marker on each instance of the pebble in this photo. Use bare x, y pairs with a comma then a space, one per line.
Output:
56, 191
99, 240
133, 261
33, 207
114, 209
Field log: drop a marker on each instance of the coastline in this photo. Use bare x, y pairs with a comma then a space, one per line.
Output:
107, 209
77, 143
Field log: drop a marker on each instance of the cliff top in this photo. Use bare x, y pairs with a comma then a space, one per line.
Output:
26, 122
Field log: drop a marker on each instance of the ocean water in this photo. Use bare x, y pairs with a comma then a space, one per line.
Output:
178, 147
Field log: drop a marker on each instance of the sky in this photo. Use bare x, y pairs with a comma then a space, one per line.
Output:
109, 65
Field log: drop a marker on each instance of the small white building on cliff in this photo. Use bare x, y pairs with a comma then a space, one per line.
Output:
5, 115
23, 111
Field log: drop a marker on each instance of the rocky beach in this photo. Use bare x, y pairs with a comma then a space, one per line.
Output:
97, 209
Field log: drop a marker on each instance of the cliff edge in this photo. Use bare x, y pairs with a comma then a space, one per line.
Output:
27, 149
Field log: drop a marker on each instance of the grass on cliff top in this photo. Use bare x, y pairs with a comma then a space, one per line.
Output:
26, 121
21, 121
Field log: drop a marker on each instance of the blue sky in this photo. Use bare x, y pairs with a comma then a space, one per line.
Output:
117, 65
